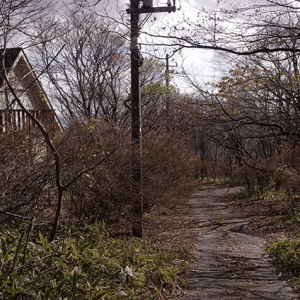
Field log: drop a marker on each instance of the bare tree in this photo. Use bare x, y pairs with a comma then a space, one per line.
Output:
19, 15
253, 109
89, 75
230, 28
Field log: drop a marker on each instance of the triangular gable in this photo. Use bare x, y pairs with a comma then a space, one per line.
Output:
16, 62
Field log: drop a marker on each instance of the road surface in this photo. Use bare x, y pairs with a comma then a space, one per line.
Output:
230, 263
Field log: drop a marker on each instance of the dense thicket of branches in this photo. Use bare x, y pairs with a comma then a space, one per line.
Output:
237, 28
245, 125
253, 110
84, 172
89, 74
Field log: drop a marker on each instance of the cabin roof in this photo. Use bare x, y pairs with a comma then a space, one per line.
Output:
11, 55
11, 58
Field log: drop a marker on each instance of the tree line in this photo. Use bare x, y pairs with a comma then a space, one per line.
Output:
83, 174
243, 126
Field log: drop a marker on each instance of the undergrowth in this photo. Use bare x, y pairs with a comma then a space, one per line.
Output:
91, 265
268, 194
286, 252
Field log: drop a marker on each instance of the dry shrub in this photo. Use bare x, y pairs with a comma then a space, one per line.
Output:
106, 192
26, 176
102, 192
168, 166
286, 179
281, 172
286, 174
255, 175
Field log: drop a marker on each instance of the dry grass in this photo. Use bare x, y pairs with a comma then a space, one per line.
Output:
174, 229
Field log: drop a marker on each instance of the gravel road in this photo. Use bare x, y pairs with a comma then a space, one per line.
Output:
230, 263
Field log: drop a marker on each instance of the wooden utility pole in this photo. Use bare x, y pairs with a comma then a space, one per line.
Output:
167, 74
136, 133
168, 94
137, 228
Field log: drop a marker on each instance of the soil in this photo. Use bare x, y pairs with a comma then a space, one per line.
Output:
174, 228
223, 242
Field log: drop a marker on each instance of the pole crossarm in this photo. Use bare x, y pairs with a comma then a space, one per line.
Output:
147, 10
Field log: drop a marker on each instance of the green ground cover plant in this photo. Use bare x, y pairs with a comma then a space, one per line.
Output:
88, 265
286, 252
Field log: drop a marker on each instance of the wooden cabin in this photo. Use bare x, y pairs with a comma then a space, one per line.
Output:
28, 88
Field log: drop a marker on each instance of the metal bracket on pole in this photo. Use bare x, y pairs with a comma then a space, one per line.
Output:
148, 8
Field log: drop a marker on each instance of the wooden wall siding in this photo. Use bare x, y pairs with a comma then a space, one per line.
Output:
17, 120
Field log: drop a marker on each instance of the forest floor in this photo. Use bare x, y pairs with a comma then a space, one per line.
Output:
224, 242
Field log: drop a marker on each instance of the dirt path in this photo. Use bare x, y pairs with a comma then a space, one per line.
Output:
230, 263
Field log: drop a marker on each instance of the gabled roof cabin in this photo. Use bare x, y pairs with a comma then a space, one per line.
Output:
28, 88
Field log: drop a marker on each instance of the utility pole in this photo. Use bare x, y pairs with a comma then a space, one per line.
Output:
168, 96
136, 132
138, 7
167, 74
167, 71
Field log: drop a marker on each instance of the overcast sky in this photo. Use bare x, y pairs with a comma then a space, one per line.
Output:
203, 63
198, 62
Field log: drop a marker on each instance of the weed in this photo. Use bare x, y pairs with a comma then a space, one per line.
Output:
91, 265
287, 254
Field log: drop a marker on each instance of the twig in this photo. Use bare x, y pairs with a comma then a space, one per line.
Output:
16, 216
30, 228
16, 254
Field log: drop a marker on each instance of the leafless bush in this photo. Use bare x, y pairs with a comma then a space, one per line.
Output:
84, 144
168, 166
26, 176
105, 193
